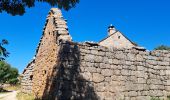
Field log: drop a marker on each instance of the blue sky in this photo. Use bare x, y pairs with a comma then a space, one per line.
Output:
145, 22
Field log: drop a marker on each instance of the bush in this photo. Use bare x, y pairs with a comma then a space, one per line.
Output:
8, 74
162, 47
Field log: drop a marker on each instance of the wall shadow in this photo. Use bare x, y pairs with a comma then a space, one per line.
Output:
66, 83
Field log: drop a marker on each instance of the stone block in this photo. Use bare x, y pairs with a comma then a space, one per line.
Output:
115, 67
98, 77
101, 95
127, 98
98, 59
108, 96
140, 68
101, 53
89, 58
105, 60
140, 87
129, 63
114, 77
100, 87
107, 72
91, 69
115, 61
125, 72
129, 86
143, 98
98, 70
116, 72
108, 79
168, 82
144, 93
140, 74
133, 98
132, 93
87, 76
139, 58
141, 80
168, 72
130, 57
94, 52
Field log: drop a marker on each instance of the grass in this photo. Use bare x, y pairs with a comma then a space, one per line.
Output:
12, 88
23, 96
154, 98
3, 92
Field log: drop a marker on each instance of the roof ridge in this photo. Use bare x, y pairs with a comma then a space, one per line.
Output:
108, 36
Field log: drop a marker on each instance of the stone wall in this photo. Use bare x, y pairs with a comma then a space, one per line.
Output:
47, 51
94, 72
27, 77
65, 70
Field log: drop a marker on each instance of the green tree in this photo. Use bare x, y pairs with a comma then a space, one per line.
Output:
162, 47
17, 7
4, 72
8, 74
3, 52
13, 77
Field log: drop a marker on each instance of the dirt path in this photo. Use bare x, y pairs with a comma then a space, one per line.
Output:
9, 96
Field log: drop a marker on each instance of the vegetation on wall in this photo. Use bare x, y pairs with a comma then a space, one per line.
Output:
162, 47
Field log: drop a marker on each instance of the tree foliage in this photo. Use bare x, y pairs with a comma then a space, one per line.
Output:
162, 47
3, 52
17, 7
8, 74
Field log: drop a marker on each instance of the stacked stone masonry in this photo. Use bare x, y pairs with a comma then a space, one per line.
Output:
115, 74
65, 70
27, 77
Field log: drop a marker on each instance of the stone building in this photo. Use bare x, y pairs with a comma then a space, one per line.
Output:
109, 70
116, 39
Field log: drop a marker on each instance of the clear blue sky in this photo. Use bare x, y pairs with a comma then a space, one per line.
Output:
146, 22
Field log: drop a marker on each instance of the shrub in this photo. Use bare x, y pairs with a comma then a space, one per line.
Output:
162, 47
8, 74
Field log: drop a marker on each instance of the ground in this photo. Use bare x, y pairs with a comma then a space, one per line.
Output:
8, 95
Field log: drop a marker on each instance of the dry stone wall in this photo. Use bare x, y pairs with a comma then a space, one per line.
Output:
27, 77
95, 72
65, 70
47, 51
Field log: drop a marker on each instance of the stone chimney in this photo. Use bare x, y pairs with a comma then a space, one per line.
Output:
111, 30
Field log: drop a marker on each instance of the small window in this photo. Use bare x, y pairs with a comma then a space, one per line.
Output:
118, 37
31, 77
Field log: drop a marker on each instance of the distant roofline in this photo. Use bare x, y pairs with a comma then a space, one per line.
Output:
122, 34
107, 37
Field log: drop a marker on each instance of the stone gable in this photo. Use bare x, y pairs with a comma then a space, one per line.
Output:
117, 40
65, 70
